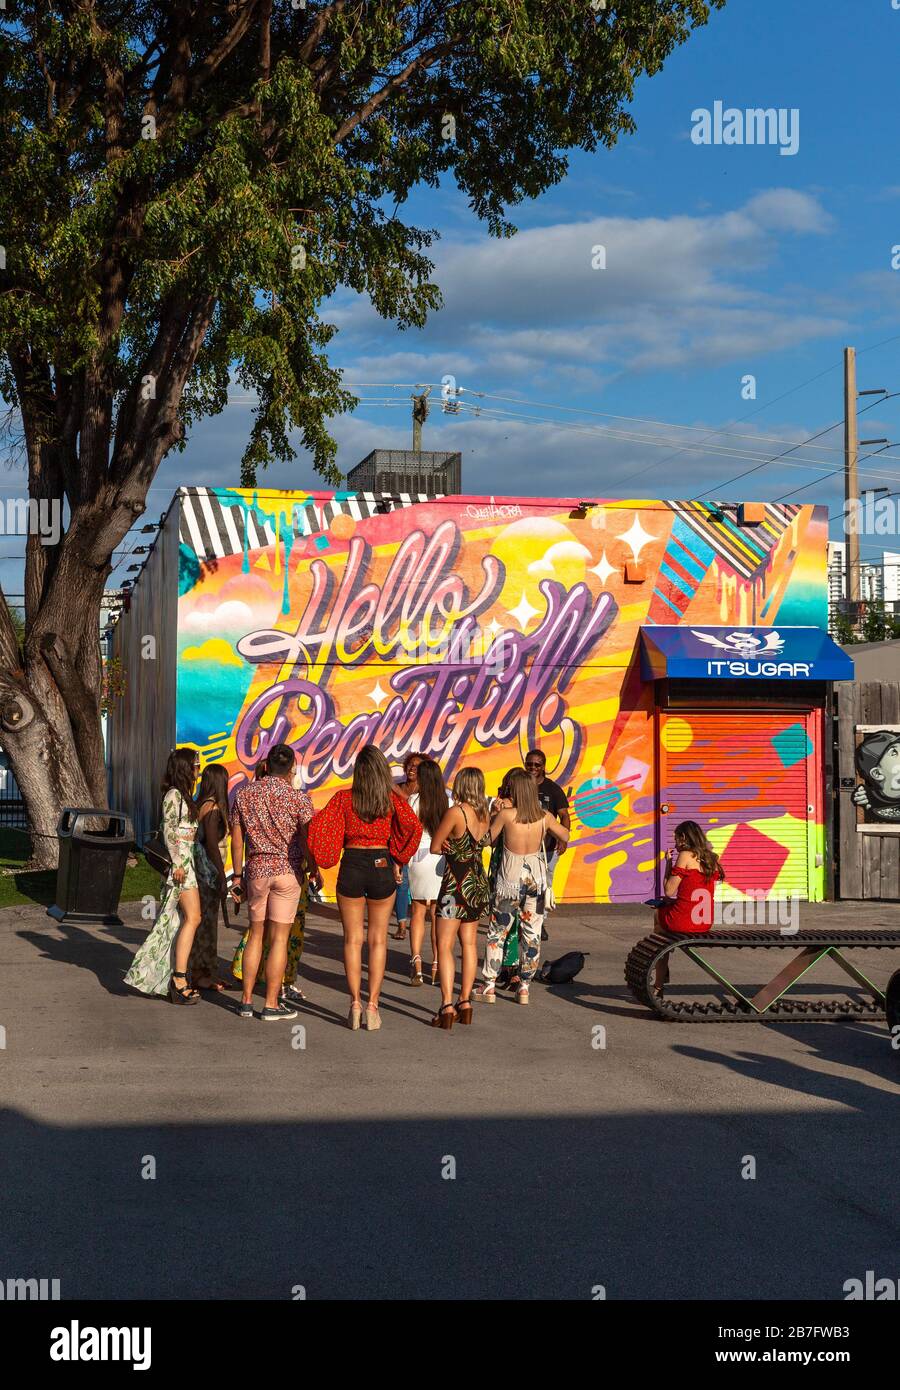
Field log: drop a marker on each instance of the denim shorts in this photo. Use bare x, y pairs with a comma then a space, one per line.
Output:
366, 873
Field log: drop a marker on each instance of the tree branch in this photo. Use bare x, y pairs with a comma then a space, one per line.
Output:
422, 60
10, 655
317, 29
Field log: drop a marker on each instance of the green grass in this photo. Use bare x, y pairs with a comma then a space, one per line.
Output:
39, 889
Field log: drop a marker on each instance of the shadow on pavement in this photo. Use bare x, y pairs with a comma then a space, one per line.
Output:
542, 1208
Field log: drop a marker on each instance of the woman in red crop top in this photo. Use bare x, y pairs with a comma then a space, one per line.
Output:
691, 881
370, 828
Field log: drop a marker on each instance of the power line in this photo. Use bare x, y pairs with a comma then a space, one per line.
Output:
492, 412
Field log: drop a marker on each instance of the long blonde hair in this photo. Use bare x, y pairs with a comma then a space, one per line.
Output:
468, 788
372, 785
524, 797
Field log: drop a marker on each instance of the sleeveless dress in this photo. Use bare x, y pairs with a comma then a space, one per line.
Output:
464, 892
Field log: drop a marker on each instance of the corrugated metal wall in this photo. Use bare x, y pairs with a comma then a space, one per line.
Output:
141, 722
750, 780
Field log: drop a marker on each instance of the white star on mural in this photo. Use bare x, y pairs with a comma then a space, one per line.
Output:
637, 537
378, 695
524, 613
603, 569
493, 628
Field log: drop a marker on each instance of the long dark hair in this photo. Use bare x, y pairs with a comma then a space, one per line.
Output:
214, 787
696, 842
433, 801
180, 775
372, 785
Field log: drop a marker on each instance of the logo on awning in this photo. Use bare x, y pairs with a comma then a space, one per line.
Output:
743, 643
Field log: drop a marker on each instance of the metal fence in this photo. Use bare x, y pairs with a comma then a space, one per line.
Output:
12, 807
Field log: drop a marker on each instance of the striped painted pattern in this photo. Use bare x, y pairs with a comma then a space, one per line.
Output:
744, 547
211, 524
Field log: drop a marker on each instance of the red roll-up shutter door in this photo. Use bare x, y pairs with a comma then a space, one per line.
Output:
745, 778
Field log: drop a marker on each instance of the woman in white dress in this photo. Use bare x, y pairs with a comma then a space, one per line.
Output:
430, 803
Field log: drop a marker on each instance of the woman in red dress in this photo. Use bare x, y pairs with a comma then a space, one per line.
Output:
371, 829
690, 881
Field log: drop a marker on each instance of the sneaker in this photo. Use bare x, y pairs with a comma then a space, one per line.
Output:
246, 1011
281, 1011
293, 995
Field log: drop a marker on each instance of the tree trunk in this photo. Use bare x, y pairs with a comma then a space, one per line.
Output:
38, 740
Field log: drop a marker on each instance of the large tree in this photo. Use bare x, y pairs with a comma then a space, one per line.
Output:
184, 186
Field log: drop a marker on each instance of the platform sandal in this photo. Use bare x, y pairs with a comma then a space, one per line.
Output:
184, 995
443, 1018
464, 1010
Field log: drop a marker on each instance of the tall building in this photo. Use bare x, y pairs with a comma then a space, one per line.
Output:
879, 581
408, 471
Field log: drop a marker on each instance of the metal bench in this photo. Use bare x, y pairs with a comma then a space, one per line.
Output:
770, 1002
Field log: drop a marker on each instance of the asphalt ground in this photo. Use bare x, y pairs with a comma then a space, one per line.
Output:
542, 1153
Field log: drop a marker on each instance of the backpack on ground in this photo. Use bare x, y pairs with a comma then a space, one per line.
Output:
563, 970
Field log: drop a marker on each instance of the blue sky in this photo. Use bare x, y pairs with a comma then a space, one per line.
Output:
721, 261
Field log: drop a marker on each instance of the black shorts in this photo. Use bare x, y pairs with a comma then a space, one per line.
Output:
366, 873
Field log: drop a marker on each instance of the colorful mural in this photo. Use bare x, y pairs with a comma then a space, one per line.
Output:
468, 628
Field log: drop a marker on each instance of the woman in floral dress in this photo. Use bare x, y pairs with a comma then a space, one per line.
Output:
160, 965
464, 893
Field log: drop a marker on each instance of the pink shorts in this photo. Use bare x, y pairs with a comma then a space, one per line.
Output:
273, 897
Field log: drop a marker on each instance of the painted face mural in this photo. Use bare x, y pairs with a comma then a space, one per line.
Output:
466, 629
877, 792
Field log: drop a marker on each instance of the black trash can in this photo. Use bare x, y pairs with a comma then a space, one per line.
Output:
91, 866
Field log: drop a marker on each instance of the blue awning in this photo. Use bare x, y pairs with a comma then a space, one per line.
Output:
742, 653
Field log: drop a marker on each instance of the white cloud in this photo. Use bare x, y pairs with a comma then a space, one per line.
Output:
677, 288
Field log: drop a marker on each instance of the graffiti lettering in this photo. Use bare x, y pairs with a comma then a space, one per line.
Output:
512, 693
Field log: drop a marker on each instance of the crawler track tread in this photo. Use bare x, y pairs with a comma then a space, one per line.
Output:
644, 955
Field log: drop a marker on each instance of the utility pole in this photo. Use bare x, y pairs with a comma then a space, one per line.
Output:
419, 416
851, 481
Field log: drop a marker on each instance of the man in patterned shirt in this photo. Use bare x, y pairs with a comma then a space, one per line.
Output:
269, 829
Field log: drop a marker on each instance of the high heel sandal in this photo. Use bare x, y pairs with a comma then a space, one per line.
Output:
464, 1010
415, 976
442, 1018
354, 1017
183, 995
